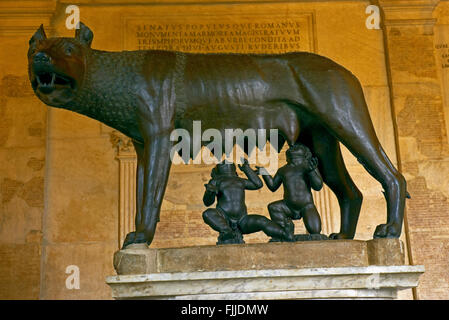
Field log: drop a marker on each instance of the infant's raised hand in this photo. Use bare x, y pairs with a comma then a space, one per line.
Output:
313, 163
244, 164
211, 187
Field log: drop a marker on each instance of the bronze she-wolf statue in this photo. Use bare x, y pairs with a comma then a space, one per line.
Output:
146, 94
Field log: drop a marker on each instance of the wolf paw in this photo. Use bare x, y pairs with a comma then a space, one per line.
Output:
339, 236
134, 237
387, 230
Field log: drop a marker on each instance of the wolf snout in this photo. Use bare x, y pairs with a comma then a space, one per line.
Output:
41, 57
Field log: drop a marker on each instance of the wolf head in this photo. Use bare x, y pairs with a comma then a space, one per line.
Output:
57, 66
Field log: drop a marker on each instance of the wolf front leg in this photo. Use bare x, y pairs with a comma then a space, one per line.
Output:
154, 176
155, 113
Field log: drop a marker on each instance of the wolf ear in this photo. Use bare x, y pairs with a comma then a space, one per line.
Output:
84, 35
38, 35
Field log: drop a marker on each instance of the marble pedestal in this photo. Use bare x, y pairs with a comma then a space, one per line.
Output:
340, 269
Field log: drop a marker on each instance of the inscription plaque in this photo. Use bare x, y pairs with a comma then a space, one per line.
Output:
220, 33
442, 56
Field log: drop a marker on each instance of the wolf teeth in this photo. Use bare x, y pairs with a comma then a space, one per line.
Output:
46, 84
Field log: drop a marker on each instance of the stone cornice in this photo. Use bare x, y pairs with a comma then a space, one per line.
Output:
407, 12
22, 17
183, 2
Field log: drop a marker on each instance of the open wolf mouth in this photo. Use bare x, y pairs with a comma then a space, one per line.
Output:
47, 81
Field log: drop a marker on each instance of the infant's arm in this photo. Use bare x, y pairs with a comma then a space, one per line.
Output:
210, 193
253, 182
316, 182
315, 179
273, 183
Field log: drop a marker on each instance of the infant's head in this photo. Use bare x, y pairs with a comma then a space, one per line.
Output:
224, 169
297, 151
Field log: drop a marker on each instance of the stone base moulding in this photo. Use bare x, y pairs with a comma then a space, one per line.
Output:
331, 269
373, 282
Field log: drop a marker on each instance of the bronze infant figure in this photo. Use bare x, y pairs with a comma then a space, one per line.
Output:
230, 217
298, 176
146, 94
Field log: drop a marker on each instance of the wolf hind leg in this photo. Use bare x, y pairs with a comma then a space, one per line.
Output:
333, 169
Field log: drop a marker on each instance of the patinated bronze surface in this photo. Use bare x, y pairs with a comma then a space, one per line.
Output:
146, 94
230, 217
298, 176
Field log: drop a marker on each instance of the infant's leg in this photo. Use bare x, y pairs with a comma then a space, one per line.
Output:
281, 213
312, 219
216, 221
254, 223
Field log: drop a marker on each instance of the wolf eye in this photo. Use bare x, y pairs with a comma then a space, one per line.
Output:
68, 50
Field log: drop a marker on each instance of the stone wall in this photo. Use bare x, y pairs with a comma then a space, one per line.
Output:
60, 202
422, 137
23, 134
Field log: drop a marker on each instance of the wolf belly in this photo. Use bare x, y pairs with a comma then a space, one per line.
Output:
240, 91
